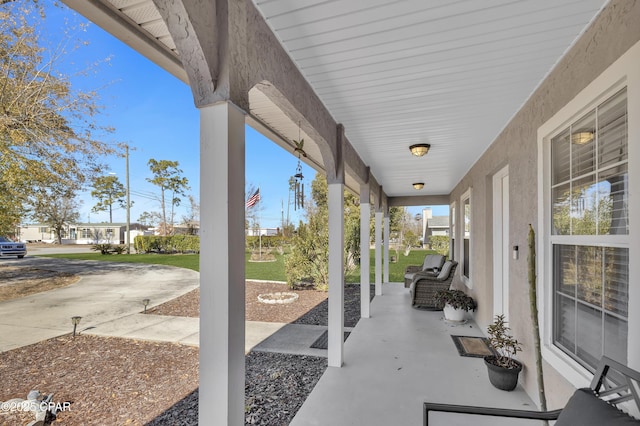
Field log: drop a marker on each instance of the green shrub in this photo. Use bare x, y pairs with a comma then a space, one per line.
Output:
309, 258
167, 244
119, 249
268, 241
102, 248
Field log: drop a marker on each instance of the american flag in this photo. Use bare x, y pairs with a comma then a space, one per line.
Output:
253, 200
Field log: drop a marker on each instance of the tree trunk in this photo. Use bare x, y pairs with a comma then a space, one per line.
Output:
164, 214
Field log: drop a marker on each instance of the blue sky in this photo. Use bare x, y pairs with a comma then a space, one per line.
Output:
153, 112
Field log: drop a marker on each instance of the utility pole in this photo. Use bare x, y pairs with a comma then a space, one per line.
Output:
128, 229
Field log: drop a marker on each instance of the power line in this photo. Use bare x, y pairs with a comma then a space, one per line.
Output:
143, 195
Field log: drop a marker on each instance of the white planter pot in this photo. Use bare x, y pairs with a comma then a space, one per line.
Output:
453, 314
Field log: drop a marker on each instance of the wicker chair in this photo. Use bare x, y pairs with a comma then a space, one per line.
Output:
424, 287
432, 263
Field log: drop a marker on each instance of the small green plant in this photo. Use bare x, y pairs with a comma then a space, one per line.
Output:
102, 248
456, 299
505, 346
119, 249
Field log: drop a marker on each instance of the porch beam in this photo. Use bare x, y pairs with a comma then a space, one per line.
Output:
222, 274
422, 200
200, 38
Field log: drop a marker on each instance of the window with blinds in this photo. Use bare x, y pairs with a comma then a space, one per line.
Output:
590, 229
452, 249
466, 241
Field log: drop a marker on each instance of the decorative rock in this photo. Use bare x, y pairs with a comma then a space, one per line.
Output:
280, 297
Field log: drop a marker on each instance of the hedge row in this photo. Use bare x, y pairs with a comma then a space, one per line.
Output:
191, 243
167, 244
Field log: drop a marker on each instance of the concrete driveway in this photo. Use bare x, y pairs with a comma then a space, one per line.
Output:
106, 291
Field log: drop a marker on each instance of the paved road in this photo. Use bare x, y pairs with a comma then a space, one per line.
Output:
58, 249
105, 292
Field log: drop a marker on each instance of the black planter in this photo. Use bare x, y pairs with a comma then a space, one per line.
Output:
502, 378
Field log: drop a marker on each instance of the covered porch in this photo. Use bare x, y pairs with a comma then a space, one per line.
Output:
363, 83
397, 359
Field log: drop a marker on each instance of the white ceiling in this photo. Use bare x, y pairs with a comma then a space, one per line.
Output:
399, 72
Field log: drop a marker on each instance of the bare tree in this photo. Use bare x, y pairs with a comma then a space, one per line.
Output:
46, 127
56, 207
192, 218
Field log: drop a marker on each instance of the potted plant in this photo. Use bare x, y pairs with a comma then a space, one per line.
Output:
502, 367
455, 304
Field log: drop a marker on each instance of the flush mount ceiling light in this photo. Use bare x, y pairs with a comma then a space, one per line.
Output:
418, 185
581, 138
419, 149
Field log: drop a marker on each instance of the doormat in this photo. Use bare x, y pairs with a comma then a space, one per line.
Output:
476, 347
322, 342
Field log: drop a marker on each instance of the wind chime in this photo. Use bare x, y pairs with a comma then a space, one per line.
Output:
298, 184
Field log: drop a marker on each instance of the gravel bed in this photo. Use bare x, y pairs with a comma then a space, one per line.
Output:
319, 315
276, 385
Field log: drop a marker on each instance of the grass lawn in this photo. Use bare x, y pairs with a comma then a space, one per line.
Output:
270, 271
396, 268
187, 261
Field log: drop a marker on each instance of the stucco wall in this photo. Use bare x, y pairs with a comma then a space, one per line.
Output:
611, 34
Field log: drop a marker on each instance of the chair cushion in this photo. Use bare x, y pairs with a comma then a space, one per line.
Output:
445, 271
584, 408
432, 261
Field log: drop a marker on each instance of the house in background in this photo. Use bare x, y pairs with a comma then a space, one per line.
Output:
433, 225
262, 231
81, 233
35, 233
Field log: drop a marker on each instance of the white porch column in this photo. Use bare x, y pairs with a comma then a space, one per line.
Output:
385, 276
222, 292
336, 275
378, 237
365, 238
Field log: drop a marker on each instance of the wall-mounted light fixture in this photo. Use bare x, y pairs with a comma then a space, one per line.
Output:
581, 138
418, 185
419, 149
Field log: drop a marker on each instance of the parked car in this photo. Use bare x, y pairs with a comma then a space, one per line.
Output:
10, 248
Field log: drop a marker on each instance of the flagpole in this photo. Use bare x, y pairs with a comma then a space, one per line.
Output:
259, 228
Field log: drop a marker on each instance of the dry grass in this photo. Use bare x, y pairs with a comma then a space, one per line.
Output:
19, 281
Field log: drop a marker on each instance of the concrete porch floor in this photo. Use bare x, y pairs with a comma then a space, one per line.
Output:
395, 361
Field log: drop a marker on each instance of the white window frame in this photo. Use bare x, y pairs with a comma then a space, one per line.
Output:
85, 233
461, 224
622, 73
